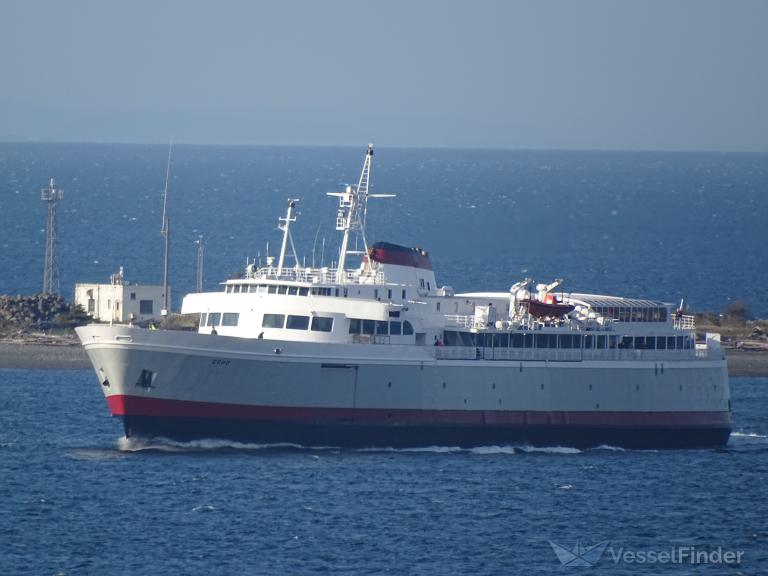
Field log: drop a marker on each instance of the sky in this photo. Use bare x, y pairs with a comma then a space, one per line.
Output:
613, 74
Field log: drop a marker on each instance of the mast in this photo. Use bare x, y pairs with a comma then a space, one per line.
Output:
353, 209
285, 225
165, 232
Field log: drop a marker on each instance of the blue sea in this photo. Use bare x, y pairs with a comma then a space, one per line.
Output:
77, 498
655, 225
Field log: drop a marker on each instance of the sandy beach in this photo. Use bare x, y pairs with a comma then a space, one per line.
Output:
65, 353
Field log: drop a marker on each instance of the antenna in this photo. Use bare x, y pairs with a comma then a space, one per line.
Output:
200, 255
353, 211
51, 194
165, 232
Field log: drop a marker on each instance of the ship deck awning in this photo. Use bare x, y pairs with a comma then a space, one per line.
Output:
602, 301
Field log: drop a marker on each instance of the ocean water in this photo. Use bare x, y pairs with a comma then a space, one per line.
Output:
77, 498
642, 224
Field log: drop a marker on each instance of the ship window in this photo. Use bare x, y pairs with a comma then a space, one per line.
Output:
203, 318
345, 291
481, 340
369, 326
133, 295
679, 343
293, 290
303, 291
403, 294
517, 340
394, 313
663, 315
626, 342
322, 324
355, 325
145, 306
566, 341
589, 342
546, 341
661, 343
613, 342
230, 319
297, 322
376, 293
389, 293
282, 289
272, 289
382, 327
438, 306
528, 340
395, 327
601, 342
214, 318
450, 338
688, 343
503, 341
421, 282
273, 320
467, 338
407, 328
337, 292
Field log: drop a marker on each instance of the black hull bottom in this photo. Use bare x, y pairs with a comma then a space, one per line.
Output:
410, 436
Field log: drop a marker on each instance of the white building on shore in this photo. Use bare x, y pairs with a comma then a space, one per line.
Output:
120, 301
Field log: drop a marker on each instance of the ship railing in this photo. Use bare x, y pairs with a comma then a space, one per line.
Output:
566, 355
684, 322
317, 275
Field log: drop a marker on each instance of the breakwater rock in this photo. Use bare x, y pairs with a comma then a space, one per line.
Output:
35, 310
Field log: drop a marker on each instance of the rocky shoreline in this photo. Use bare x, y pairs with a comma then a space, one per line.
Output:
63, 352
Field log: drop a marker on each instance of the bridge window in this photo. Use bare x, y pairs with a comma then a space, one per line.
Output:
303, 291
355, 325
369, 326
293, 290
661, 342
230, 319
213, 319
297, 322
322, 324
382, 327
272, 289
203, 318
395, 328
589, 342
407, 328
273, 320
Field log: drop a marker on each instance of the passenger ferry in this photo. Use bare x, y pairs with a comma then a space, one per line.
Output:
378, 354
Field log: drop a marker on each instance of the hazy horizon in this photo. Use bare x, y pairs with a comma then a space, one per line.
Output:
593, 75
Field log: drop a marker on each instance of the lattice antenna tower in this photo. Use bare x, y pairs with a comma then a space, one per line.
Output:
51, 195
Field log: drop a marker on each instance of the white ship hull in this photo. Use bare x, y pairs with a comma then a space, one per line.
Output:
186, 385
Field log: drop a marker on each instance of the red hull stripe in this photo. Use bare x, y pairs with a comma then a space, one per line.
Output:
386, 253
121, 405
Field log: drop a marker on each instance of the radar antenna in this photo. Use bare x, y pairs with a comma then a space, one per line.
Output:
353, 210
51, 195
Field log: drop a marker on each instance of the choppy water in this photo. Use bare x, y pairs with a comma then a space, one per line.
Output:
75, 498
657, 225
